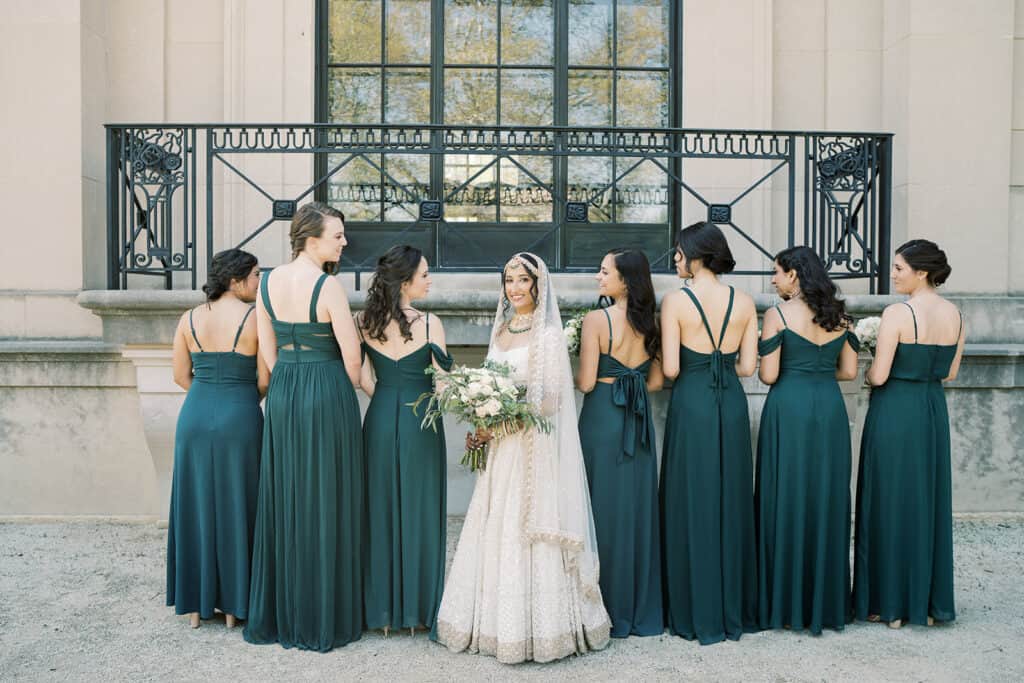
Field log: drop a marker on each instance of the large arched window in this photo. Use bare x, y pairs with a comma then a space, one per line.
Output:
500, 62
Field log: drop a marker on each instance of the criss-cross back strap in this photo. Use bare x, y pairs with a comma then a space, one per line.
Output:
609, 330
193, 328
914, 318
265, 293
316, 297
238, 334
704, 318
779, 311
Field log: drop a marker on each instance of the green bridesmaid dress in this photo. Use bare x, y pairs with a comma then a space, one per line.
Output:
617, 435
306, 569
214, 489
903, 555
802, 494
707, 501
406, 475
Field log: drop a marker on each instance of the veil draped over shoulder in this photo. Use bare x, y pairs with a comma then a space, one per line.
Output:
556, 499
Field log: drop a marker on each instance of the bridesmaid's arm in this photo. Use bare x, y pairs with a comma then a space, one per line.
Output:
746, 364
885, 348
262, 375
671, 313
954, 368
334, 298
181, 359
655, 377
590, 341
437, 337
769, 370
847, 369
367, 379
266, 339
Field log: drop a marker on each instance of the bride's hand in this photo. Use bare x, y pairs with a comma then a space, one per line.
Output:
478, 439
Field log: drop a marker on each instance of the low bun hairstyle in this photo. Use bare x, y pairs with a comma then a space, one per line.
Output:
309, 222
226, 267
706, 242
816, 287
383, 299
925, 255
641, 303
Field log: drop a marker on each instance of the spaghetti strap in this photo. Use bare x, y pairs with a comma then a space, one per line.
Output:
316, 297
426, 318
704, 319
725, 320
609, 330
265, 294
241, 325
914, 317
779, 311
959, 331
193, 328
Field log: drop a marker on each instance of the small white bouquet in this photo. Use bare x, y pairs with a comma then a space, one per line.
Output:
574, 331
867, 332
486, 398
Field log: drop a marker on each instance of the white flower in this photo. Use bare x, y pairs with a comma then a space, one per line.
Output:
867, 330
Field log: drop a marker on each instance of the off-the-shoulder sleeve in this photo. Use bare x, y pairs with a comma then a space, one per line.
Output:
766, 346
444, 360
853, 340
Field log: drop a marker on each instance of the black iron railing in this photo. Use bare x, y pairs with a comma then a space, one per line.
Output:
828, 190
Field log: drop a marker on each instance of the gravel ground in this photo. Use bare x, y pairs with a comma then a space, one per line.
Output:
85, 601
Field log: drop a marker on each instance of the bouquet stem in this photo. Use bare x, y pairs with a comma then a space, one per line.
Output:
475, 458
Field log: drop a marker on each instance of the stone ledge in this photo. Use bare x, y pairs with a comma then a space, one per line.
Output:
80, 364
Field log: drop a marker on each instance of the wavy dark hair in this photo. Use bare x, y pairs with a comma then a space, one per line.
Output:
641, 303
925, 255
227, 266
308, 222
534, 287
383, 299
816, 287
706, 242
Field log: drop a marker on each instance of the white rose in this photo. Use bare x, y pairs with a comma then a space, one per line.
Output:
491, 408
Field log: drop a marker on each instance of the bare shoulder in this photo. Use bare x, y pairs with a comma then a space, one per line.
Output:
674, 300
896, 313
434, 322
743, 304
594, 317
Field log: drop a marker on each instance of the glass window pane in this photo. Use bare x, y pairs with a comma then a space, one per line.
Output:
590, 181
642, 99
470, 184
355, 189
407, 32
353, 31
406, 183
527, 32
643, 32
471, 31
470, 96
525, 195
641, 196
407, 96
590, 32
354, 95
527, 97
590, 98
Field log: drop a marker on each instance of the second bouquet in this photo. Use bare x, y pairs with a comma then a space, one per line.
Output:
484, 397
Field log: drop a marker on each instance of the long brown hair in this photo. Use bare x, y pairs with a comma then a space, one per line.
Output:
398, 266
309, 222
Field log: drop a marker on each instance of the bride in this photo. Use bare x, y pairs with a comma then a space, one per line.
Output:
524, 581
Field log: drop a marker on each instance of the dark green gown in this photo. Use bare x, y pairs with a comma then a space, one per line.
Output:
617, 435
903, 556
707, 501
214, 489
802, 494
406, 475
306, 568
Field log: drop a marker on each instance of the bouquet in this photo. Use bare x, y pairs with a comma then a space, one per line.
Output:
573, 331
867, 332
486, 398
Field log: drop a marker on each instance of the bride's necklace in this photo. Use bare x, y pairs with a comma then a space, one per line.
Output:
525, 321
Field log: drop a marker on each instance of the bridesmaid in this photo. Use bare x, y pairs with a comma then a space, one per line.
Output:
903, 558
707, 504
802, 494
216, 445
306, 567
406, 466
619, 362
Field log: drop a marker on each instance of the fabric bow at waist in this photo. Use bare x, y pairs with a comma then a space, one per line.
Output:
629, 391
